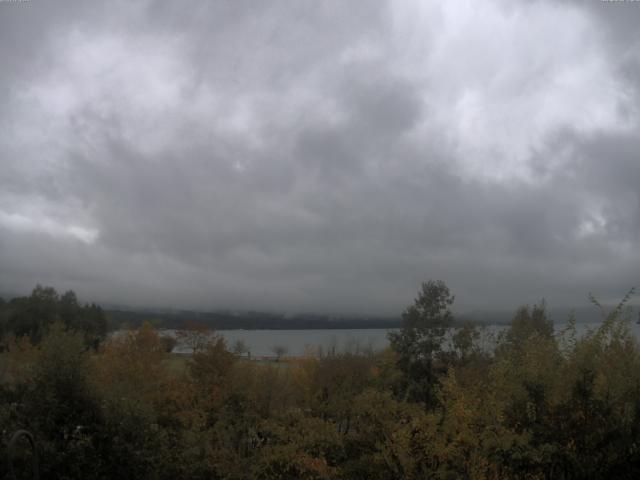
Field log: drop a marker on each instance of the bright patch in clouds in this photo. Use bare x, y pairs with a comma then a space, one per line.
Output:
42, 225
133, 88
498, 78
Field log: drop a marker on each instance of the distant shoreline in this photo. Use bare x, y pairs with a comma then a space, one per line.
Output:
251, 320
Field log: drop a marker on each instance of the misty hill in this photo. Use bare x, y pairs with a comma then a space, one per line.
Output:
243, 320
250, 320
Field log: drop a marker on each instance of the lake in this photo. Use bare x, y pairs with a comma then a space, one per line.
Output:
261, 343
300, 342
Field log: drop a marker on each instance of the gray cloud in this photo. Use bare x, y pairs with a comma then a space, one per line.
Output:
302, 156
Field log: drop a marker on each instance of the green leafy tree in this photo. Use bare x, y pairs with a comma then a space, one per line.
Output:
465, 342
527, 322
61, 408
32, 316
419, 341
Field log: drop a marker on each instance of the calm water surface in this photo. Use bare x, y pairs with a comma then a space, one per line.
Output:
261, 343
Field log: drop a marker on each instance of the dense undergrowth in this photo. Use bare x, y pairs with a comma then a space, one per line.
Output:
544, 404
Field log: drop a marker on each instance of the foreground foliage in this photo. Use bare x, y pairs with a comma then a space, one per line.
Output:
541, 404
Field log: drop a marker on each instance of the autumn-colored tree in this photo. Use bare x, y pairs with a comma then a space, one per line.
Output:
295, 446
195, 336
211, 370
333, 383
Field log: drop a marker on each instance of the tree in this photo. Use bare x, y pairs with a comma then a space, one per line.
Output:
419, 341
168, 342
465, 341
209, 366
32, 316
61, 406
132, 379
527, 324
333, 382
4, 314
195, 336
211, 370
240, 348
279, 351
93, 323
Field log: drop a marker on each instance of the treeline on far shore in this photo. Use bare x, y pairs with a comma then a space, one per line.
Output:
31, 315
127, 319
24, 313
123, 319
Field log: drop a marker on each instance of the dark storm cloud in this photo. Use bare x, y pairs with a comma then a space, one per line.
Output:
318, 156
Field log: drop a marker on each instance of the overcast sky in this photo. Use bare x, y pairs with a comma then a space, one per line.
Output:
320, 156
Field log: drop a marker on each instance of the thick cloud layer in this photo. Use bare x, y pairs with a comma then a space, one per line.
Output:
320, 156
